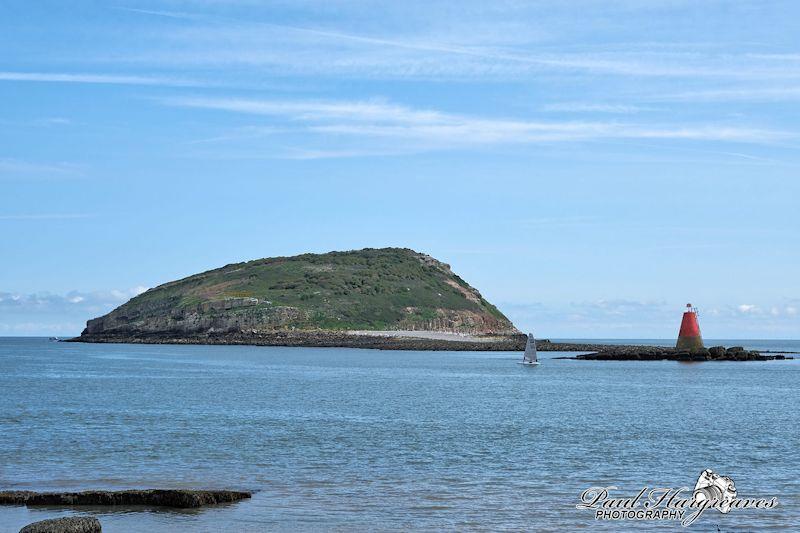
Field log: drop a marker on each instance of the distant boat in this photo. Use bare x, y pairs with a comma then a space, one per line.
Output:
530, 352
55, 339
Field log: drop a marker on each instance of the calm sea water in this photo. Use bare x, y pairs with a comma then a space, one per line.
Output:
342, 439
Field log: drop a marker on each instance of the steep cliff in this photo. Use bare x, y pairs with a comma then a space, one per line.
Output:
388, 289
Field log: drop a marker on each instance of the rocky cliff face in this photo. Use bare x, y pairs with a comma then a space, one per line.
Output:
371, 289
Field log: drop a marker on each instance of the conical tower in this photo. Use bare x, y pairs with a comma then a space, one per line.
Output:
689, 338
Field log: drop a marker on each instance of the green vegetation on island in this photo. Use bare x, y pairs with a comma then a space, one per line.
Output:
370, 289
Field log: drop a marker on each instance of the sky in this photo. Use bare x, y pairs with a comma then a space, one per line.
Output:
589, 166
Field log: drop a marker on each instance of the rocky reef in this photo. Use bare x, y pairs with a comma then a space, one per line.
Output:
658, 353
183, 499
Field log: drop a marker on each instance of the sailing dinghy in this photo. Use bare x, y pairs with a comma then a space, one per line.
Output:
530, 352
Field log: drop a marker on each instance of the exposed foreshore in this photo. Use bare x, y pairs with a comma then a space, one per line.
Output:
379, 340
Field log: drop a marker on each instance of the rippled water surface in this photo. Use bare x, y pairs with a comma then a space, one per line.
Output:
359, 439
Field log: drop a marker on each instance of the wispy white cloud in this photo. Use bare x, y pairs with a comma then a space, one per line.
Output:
41, 328
50, 121
589, 107
45, 302
626, 318
45, 216
46, 313
114, 79
311, 154
614, 317
18, 167
741, 94
426, 129
309, 110
457, 49
573, 221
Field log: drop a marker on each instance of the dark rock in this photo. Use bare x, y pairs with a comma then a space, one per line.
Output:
15, 497
152, 497
70, 524
716, 352
614, 352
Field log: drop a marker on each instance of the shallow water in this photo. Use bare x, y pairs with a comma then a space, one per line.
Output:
346, 439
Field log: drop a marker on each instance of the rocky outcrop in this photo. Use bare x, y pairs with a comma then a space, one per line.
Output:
69, 524
151, 497
657, 353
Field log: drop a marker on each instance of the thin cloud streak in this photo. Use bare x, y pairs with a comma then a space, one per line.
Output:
19, 167
380, 119
756, 94
588, 107
46, 216
257, 47
113, 79
370, 110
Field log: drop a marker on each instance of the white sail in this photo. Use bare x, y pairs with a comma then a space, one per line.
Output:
530, 351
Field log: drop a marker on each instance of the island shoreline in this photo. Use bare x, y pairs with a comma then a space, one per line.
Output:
405, 341
318, 339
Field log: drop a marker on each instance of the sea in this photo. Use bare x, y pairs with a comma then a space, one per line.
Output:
366, 440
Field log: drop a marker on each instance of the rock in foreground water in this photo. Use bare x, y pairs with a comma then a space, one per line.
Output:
70, 524
152, 497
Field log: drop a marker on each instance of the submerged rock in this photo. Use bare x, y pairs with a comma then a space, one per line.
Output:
70, 524
152, 497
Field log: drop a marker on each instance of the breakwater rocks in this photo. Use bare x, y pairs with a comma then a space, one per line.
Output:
326, 339
69, 524
183, 499
658, 353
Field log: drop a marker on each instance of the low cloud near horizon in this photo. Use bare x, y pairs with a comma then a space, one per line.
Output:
45, 313
628, 319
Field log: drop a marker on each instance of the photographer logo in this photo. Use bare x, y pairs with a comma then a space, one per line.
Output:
712, 491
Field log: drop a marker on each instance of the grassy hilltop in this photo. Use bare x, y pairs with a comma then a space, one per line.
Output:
370, 289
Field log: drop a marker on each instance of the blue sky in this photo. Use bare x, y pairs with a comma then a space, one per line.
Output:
589, 167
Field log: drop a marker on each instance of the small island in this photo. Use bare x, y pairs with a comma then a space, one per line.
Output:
388, 298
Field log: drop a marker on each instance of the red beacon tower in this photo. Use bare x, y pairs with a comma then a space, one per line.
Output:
689, 338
